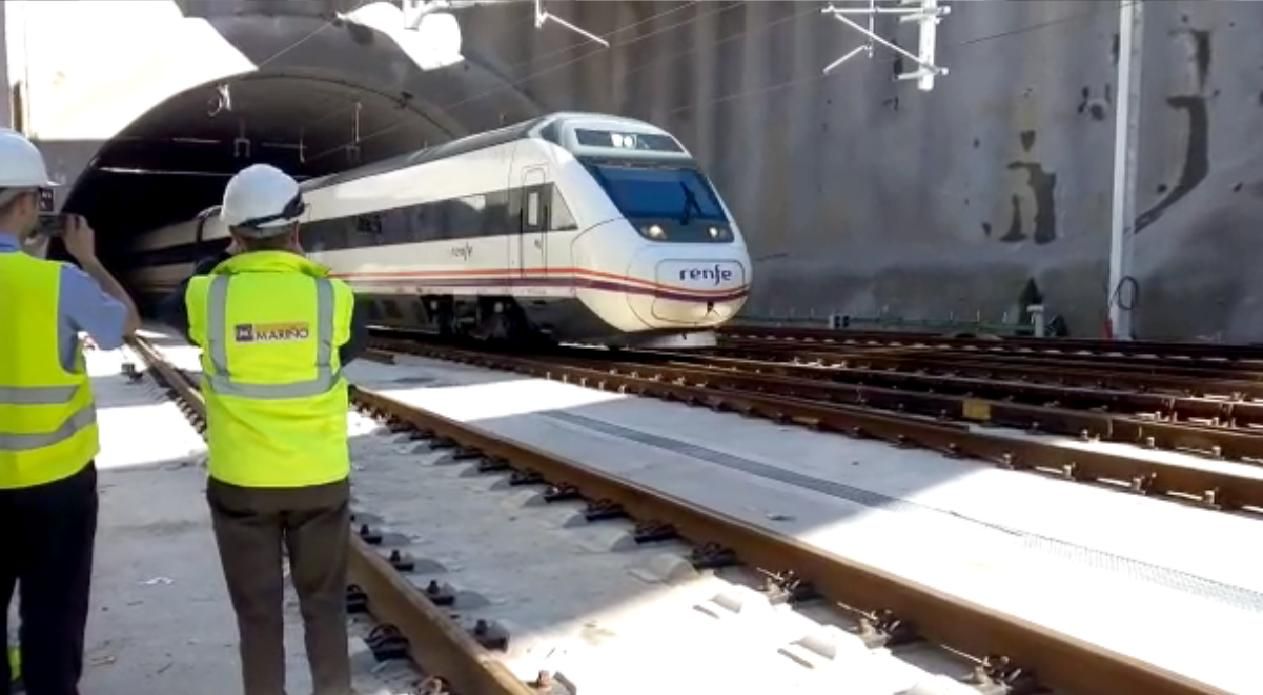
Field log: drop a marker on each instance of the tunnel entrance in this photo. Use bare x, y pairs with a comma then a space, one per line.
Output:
174, 161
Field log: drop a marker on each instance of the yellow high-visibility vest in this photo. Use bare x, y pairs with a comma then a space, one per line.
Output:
47, 416
269, 324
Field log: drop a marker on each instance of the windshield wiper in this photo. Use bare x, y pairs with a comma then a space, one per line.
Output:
690, 203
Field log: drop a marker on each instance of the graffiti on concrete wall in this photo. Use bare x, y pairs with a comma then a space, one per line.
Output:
1197, 134
1040, 187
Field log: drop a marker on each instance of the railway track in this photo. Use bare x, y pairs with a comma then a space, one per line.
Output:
860, 613
1198, 368
932, 421
1212, 427
1147, 403
431, 637
1234, 387
1070, 347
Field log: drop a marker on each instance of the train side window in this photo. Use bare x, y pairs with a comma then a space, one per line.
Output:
466, 216
314, 238
324, 235
441, 210
425, 223
496, 214
396, 227
559, 215
532, 211
370, 225
449, 219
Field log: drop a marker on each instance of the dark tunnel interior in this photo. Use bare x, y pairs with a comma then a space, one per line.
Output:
326, 95
174, 161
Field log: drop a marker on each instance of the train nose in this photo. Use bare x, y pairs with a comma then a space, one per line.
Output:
698, 292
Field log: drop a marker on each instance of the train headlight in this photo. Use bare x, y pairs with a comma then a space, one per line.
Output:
720, 233
655, 231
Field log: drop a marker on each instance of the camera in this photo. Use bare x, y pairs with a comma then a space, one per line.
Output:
50, 223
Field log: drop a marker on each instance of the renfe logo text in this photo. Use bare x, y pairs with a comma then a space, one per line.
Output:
715, 274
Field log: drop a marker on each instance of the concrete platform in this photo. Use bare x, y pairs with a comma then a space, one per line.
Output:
161, 621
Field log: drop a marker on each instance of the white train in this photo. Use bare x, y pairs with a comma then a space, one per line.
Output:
578, 227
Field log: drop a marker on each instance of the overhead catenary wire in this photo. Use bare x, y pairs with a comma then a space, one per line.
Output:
328, 23
1097, 8
224, 86
627, 27
577, 59
811, 78
978, 39
761, 28
547, 70
754, 91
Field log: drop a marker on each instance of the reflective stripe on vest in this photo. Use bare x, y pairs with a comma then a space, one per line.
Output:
37, 395
221, 378
48, 423
85, 417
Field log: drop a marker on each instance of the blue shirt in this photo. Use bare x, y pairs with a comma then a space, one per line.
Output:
81, 306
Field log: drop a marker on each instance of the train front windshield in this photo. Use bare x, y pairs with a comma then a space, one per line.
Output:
651, 193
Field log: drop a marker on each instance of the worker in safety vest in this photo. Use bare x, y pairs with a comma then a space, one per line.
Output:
48, 432
274, 331
15, 666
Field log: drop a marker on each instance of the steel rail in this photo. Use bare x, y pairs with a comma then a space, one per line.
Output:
1195, 368
1214, 488
1171, 405
1063, 345
435, 641
1219, 442
1037, 373
1057, 659
1167, 407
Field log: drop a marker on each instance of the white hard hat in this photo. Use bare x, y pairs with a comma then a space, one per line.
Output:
21, 164
261, 201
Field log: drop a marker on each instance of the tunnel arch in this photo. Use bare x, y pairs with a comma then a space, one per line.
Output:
305, 79
174, 158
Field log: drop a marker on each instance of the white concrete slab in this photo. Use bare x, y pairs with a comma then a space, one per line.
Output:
598, 613
1096, 563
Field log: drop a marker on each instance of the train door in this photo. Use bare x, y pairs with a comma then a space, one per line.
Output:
534, 224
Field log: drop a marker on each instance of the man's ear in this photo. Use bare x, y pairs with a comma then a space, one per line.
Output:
295, 238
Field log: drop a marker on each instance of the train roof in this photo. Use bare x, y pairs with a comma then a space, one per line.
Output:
592, 134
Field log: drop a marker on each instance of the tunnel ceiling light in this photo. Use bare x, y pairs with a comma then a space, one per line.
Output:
926, 13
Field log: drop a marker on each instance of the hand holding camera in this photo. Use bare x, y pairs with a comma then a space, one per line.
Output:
79, 238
